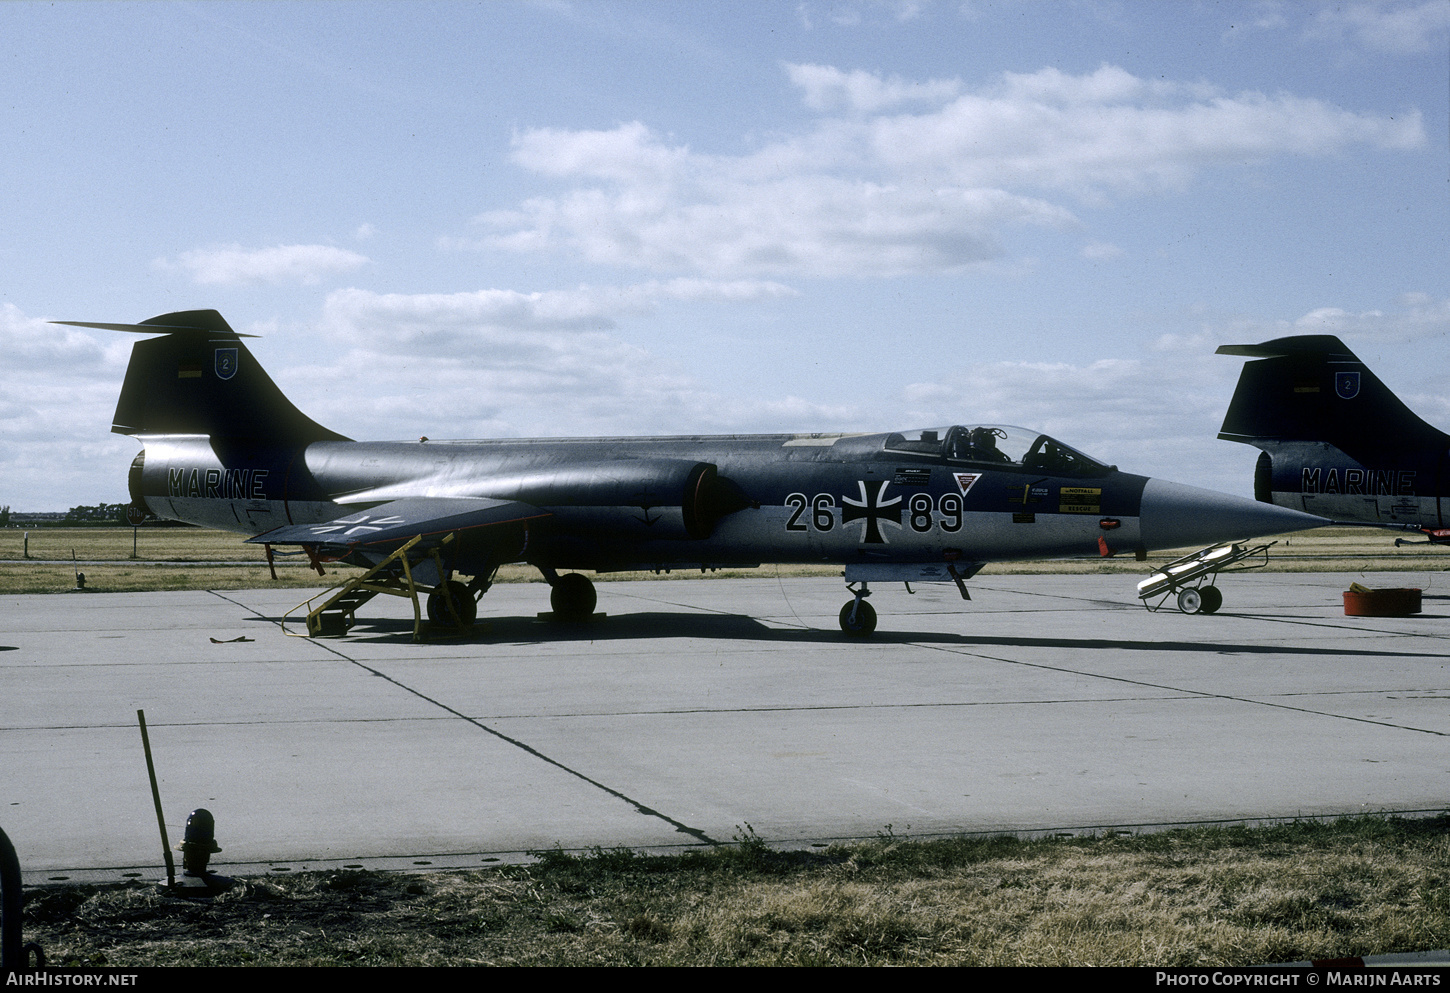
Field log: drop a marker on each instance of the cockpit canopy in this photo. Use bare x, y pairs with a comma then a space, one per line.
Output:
1000, 445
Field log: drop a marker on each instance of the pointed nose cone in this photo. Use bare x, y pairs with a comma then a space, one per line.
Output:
1173, 515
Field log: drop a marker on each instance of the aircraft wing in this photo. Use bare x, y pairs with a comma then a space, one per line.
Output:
399, 520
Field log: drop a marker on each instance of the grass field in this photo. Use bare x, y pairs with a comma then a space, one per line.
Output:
1202, 897
190, 557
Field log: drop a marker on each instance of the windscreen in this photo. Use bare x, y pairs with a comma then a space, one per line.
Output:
997, 444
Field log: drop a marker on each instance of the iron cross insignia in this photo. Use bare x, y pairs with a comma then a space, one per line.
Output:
872, 508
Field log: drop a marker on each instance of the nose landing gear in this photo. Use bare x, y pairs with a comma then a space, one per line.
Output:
858, 618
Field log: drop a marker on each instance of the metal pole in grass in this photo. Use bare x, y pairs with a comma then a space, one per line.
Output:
156, 798
134, 516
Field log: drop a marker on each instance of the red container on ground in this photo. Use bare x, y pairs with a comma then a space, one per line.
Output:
1381, 603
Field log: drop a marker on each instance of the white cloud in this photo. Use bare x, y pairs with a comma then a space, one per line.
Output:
35, 344
1419, 318
56, 400
1109, 133
1416, 317
233, 265
1099, 250
812, 225
873, 193
828, 88
854, 13
1266, 15
1413, 27
496, 363
441, 322
1158, 417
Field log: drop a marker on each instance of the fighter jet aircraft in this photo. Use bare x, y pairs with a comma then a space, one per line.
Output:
223, 448
1336, 442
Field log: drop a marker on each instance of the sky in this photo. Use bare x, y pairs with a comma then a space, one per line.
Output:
573, 218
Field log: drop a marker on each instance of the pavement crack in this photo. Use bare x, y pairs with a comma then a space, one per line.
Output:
1183, 691
641, 808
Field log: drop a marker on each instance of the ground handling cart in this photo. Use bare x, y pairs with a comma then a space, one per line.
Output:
1193, 577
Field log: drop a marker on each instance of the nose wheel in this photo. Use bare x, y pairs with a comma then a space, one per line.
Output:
858, 618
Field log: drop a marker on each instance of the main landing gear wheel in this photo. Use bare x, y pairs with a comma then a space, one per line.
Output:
862, 623
1211, 598
463, 603
573, 597
1190, 601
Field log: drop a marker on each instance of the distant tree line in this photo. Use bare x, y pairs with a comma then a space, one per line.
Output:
101, 513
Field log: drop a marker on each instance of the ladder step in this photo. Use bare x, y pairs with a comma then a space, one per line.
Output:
350, 598
332, 623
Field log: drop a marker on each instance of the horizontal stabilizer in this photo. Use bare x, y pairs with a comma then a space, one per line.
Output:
205, 321
1324, 346
403, 519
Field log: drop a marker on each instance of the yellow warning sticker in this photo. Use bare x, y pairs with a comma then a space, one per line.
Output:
1080, 500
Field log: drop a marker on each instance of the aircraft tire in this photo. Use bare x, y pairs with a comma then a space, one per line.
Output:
1190, 601
463, 602
1212, 599
573, 597
864, 623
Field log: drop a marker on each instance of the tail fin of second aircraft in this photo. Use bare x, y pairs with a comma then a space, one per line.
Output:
198, 378
1312, 388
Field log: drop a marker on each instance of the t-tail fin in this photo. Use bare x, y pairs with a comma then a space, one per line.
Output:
1312, 388
198, 378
